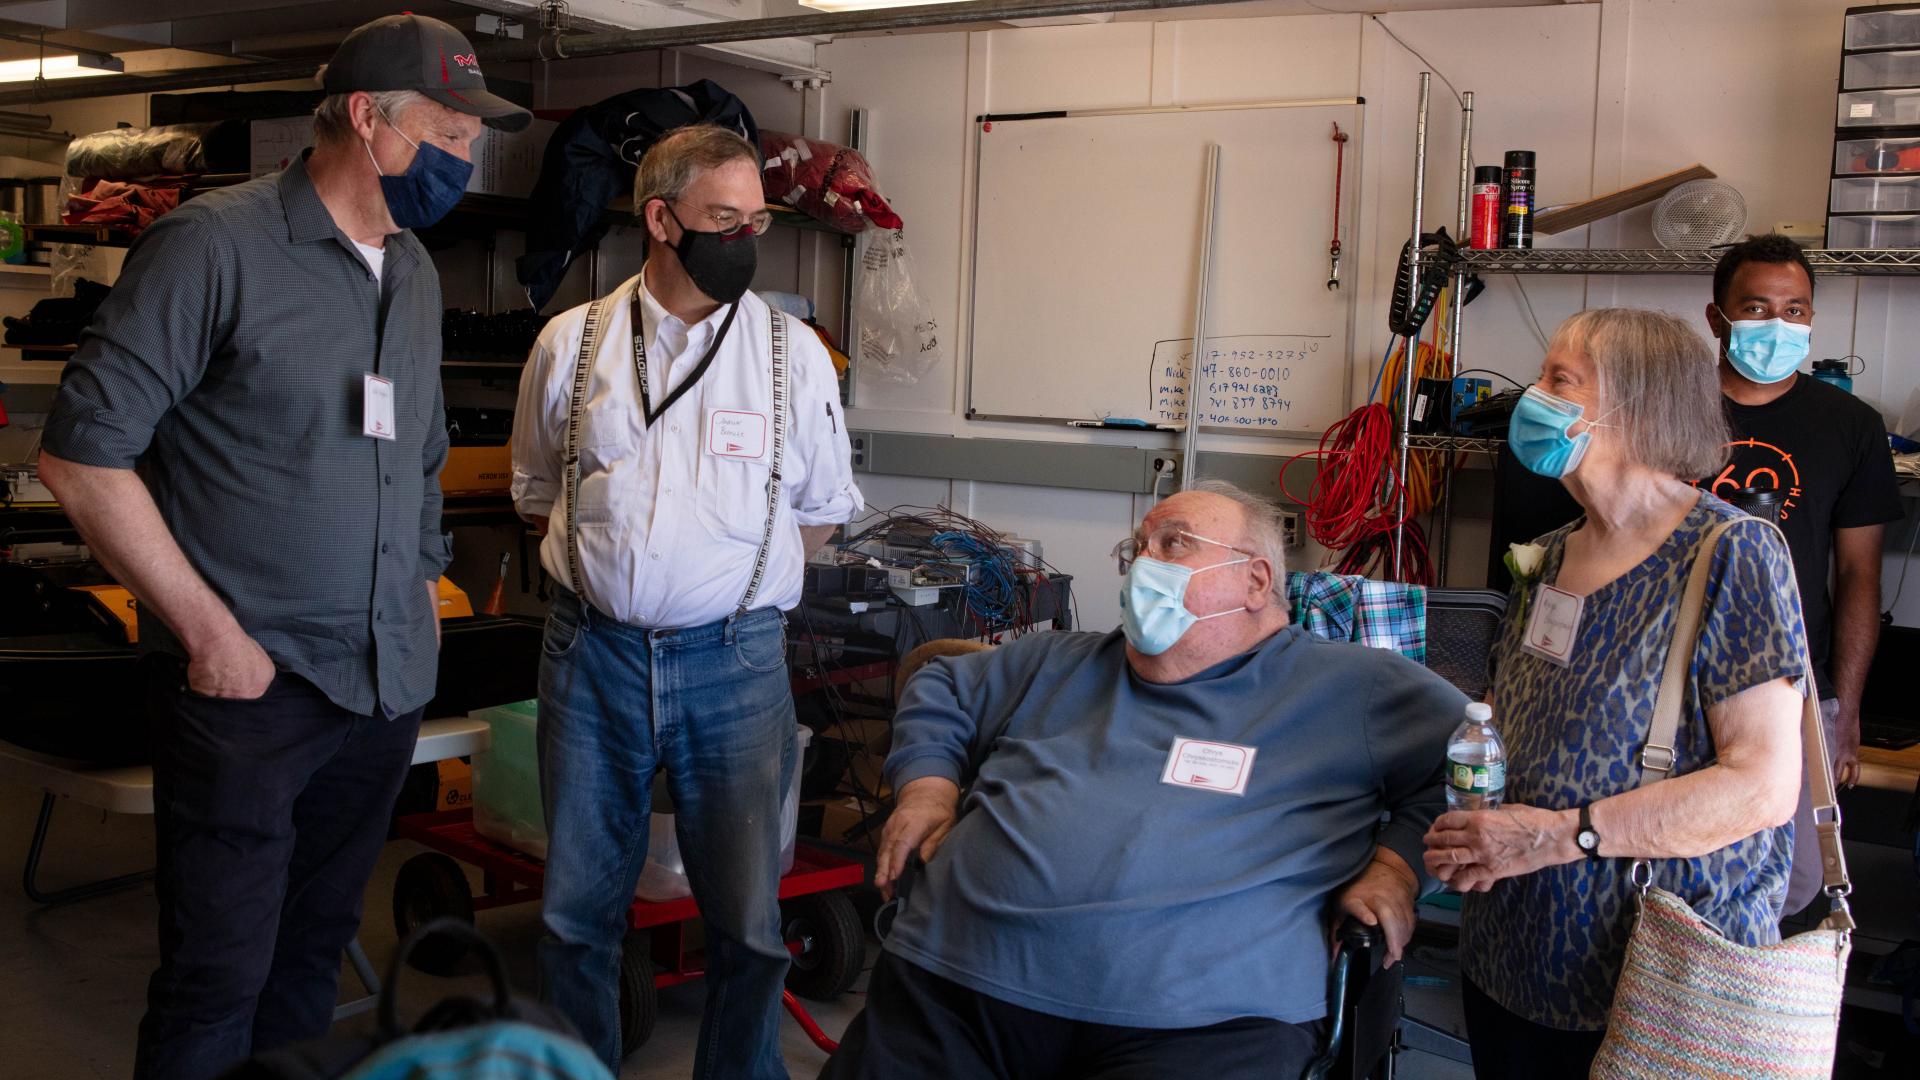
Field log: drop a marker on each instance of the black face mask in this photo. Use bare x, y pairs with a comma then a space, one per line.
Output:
720, 265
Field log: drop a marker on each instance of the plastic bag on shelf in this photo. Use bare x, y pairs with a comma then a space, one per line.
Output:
825, 181
899, 341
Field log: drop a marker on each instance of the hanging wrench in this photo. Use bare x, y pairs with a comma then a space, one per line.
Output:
1333, 249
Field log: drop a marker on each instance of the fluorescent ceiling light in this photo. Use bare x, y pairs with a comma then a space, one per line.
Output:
60, 67
867, 5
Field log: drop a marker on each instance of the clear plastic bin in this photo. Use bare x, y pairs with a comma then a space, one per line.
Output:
1861, 157
1883, 29
507, 807
1879, 108
1868, 71
1863, 195
1874, 231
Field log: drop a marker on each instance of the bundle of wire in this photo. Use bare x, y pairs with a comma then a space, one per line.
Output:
1359, 501
994, 595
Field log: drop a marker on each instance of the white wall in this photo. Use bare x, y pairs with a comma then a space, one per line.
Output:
1606, 94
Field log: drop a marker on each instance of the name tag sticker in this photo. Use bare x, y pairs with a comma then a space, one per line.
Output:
376, 412
1554, 625
1210, 766
736, 434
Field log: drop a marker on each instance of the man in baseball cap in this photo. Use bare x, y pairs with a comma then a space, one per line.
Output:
413, 52
270, 358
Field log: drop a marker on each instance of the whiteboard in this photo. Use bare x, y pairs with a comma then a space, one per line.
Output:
1086, 255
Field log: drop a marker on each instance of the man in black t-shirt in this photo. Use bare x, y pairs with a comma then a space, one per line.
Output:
1826, 452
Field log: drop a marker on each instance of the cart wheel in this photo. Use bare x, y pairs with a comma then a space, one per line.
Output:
639, 1003
428, 887
833, 950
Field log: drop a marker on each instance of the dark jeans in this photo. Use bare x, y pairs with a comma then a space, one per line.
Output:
1509, 1046
919, 1024
711, 706
269, 816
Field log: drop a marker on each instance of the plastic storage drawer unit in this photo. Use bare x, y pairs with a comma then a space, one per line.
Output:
1879, 108
1882, 231
1864, 195
1897, 26
1870, 71
1865, 157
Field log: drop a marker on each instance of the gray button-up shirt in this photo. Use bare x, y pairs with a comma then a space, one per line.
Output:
228, 364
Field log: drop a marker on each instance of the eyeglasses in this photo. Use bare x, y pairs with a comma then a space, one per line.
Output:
1168, 543
730, 222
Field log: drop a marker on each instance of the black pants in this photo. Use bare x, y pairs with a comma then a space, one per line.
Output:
269, 816
917, 1024
1509, 1046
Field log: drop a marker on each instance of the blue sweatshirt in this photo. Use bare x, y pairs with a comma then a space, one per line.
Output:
1076, 883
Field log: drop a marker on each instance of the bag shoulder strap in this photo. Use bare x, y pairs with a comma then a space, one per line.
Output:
1657, 756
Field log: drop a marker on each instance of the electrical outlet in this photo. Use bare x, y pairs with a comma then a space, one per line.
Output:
1160, 472
1290, 530
859, 440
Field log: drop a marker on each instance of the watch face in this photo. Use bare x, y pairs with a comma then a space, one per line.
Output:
1588, 841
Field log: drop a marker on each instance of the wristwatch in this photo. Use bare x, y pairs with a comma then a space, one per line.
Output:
1586, 838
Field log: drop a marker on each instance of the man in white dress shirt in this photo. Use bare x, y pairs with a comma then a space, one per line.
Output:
711, 457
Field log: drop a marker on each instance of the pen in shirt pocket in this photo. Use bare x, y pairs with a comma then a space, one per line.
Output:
830, 420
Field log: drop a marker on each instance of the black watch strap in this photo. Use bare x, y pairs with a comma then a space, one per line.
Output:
1586, 839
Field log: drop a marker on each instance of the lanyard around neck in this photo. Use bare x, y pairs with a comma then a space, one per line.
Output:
692, 380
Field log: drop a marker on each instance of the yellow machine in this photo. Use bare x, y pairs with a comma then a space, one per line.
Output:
124, 609
477, 470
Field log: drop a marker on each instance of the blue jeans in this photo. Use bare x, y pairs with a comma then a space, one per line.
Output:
711, 706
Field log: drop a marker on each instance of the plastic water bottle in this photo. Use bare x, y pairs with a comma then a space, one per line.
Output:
1476, 762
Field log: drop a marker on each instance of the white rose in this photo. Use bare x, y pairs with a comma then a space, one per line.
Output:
1526, 558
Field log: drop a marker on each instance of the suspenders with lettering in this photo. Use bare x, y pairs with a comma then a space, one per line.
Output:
582, 374
779, 454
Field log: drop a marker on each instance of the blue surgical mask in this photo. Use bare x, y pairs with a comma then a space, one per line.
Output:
1768, 350
1153, 603
1538, 433
429, 189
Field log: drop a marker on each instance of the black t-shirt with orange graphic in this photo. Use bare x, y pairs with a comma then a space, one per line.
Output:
1826, 452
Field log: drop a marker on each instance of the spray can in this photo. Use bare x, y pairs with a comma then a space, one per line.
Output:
1518, 228
1486, 207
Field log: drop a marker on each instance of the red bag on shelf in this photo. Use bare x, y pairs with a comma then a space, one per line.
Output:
825, 181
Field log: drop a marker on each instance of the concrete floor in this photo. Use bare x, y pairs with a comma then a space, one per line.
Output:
73, 977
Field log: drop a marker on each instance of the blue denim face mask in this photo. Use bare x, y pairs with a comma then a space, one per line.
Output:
1153, 603
430, 187
1767, 350
1538, 433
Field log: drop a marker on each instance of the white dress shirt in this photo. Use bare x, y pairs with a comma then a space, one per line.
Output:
671, 517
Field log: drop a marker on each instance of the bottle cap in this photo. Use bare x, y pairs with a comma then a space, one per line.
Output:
1519, 159
1480, 712
1486, 174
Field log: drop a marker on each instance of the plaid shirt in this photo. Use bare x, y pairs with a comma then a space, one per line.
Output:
1383, 614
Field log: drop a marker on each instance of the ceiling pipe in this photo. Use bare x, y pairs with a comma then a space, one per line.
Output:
614, 43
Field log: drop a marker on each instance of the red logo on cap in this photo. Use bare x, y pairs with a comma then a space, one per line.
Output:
468, 60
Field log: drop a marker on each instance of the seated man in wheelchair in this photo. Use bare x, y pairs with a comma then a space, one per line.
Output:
1137, 843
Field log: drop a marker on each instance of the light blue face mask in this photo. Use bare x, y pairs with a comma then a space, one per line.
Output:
1768, 350
1153, 603
1538, 433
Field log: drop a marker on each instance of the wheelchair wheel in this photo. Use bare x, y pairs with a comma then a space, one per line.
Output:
639, 1003
832, 948
429, 887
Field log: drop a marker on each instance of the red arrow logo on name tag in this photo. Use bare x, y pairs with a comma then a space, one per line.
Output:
734, 448
1196, 778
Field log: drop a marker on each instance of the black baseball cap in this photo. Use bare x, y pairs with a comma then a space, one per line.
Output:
413, 52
